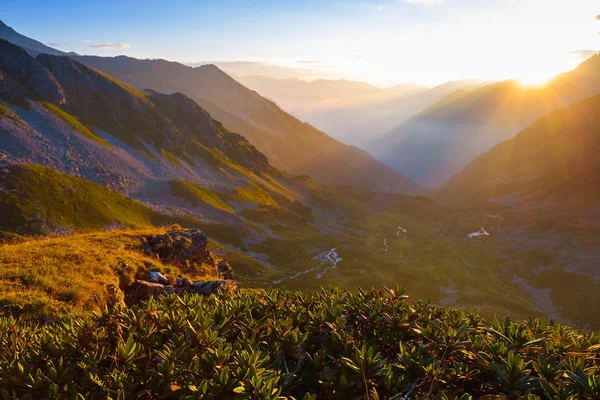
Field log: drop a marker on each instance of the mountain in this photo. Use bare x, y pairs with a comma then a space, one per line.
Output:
439, 141
289, 143
304, 99
551, 169
362, 125
33, 47
163, 156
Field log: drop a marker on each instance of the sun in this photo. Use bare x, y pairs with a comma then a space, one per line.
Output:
535, 78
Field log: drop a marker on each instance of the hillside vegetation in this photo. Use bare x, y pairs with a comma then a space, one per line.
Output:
282, 345
61, 276
36, 199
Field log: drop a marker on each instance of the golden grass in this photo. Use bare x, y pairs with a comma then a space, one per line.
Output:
73, 274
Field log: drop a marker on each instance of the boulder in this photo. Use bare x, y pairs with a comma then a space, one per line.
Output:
143, 290
156, 276
213, 287
224, 269
181, 247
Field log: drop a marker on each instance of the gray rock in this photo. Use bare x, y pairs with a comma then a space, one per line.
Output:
158, 277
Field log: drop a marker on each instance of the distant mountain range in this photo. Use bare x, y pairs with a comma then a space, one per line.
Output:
305, 99
438, 142
549, 170
364, 124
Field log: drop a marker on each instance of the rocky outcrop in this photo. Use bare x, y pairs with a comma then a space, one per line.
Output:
144, 290
224, 269
18, 64
184, 248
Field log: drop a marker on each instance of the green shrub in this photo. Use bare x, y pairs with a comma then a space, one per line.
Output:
281, 345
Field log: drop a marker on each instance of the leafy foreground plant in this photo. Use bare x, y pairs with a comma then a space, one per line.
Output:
279, 344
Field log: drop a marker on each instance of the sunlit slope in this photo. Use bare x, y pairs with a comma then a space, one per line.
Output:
437, 143
552, 164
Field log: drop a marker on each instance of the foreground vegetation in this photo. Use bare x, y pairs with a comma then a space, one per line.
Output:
275, 344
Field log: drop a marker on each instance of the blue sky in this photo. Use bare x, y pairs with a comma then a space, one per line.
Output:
383, 42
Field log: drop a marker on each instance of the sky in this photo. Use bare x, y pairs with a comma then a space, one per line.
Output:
383, 42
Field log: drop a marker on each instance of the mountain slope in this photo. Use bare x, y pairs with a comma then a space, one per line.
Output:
552, 167
304, 99
289, 143
33, 47
438, 142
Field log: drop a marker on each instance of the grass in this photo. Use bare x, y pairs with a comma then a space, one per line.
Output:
38, 199
74, 123
71, 275
253, 194
197, 194
4, 111
172, 158
7, 112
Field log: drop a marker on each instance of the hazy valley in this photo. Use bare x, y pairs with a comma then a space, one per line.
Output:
171, 209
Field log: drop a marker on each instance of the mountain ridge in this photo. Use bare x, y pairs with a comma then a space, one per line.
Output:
551, 165
32, 46
438, 142
289, 143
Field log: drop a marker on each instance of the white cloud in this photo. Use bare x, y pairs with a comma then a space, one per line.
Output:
87, 41
112, 46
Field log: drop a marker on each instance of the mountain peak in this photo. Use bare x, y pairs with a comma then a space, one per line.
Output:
33, 47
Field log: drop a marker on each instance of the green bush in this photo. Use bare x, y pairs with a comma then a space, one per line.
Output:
279, 344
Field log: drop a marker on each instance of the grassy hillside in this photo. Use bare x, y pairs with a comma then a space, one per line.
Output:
296, 345
74, 123
38, 199
73, 275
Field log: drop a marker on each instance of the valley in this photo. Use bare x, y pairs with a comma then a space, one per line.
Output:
289, 221
280, 230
